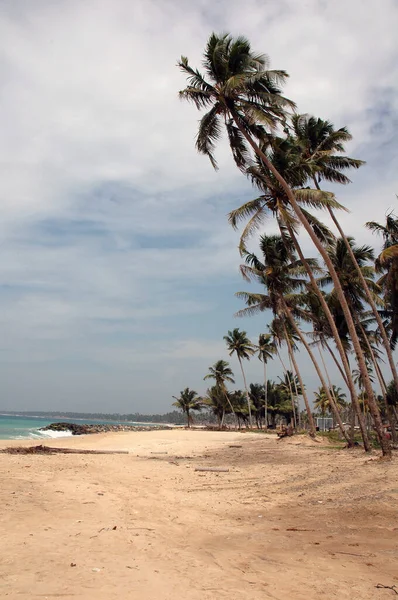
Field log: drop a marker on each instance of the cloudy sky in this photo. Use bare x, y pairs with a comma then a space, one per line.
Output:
118, 267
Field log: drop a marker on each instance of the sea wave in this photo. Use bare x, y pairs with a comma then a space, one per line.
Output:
38, 434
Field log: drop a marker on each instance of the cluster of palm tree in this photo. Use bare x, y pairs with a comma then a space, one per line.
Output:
342, 301
265, 404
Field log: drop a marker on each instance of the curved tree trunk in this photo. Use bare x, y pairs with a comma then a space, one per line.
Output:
336, 362
303, 391
384, 443
382, 383
295, 388
329, 396
290, 386
330, 386
386, 342
332, 324
247, 392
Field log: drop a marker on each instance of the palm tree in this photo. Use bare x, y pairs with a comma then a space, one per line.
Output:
216, 400
238, 343
278, 331
240, 91
321, 147
239, 402
245, 97
266, 351
275, 201
322, 402
188, 400
256, 394
282, 274
287, 384
221, 373
387, 264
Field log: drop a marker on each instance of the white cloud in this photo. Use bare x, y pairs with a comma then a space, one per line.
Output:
112, 226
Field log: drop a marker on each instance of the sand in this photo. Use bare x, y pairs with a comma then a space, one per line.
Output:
291, 519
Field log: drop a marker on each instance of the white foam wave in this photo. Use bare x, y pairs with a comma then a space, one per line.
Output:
53, 434
37, 434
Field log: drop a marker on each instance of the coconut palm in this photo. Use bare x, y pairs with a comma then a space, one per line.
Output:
387, 264
279, 332
240, 92
322, 402
256, 394
242, 95
221, 373
216, 400
188, 401
238, 343
266, 351
239, 402
321, 147
282, 277
290, 384
283, 154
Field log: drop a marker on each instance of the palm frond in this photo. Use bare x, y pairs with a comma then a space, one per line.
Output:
208, 134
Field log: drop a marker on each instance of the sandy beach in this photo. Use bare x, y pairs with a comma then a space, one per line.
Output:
291, 519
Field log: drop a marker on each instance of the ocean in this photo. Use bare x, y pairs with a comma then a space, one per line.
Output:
28, 428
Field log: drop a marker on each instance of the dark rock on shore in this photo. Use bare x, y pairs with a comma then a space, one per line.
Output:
84, 429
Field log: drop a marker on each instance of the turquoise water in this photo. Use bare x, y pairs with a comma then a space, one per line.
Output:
20, 428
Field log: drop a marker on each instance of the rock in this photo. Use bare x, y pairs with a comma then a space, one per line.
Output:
84, 429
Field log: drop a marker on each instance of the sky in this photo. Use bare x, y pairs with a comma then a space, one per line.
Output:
118, 267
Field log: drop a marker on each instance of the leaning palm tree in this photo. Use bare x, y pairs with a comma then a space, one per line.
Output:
321, 147
238, 343
239, 91
387, 265
266, 351
188, 401
282, 275
221, 373
216, 401
274, 201
244, 96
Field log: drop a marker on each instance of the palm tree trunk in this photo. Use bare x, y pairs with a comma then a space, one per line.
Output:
290, 386
188, 418
335, 409
225, 392
332, 324
331, 401
265, 396
247, 391
221, 421
382, 384
386, 342
384, 443
295, 389
297, 370
336, 362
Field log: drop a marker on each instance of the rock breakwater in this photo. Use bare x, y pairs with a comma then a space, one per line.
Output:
87, 428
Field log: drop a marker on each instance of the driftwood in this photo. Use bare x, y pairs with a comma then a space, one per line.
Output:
380, 586
49, 450
235, 446
212, 469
